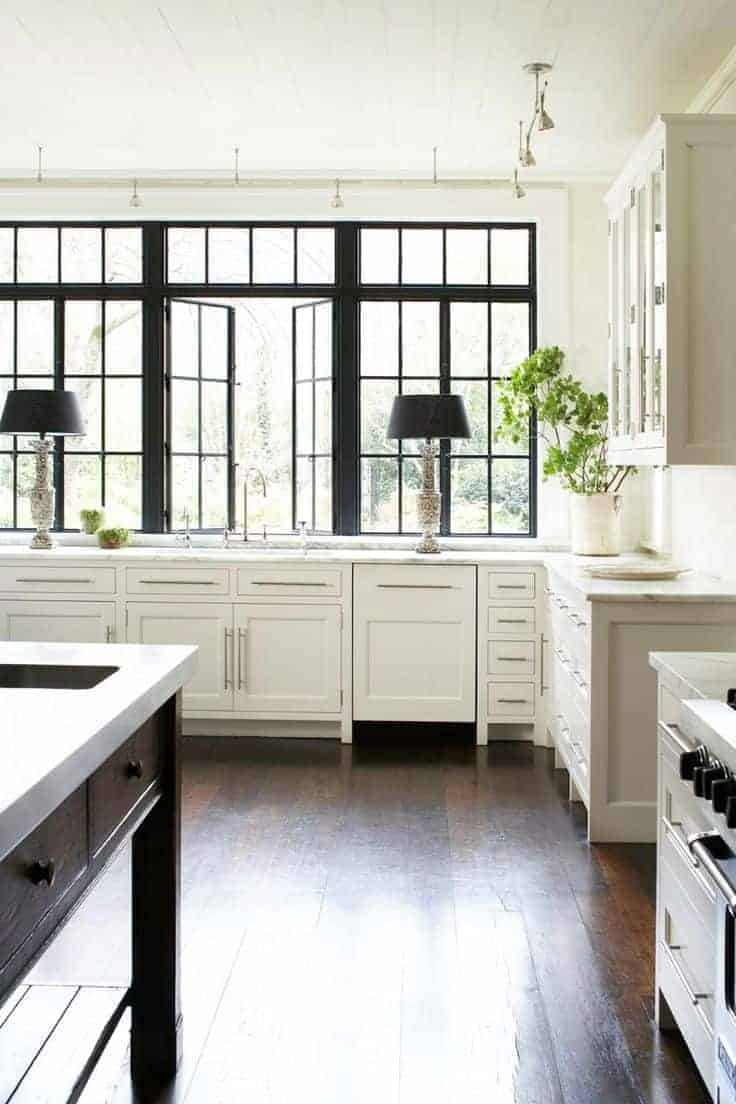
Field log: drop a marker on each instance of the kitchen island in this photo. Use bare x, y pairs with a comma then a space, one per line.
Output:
91, 737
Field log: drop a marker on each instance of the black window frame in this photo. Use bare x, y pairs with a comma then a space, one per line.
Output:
346, 292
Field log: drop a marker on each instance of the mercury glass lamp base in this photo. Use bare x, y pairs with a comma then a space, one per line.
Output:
428, 544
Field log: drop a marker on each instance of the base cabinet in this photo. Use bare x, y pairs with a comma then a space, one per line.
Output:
71, 622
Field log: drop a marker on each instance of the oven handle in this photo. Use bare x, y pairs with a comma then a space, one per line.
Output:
698, 843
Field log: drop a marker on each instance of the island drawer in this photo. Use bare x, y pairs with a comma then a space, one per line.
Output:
511, 584
41, 579
511, 619
210, 581
277, 582
512, 700
117, 787
37, 874
511, 657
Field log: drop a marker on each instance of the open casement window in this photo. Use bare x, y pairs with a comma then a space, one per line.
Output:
312, 421
200, 374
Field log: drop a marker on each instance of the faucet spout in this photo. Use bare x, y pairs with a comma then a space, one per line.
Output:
258, 474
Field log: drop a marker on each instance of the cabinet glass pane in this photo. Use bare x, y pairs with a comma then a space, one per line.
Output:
379, 256
469, 510
509, 336
229, 256
315, 251
467, 256
510, 496
83, 338
379, 339
273, 255
379, 495
644, 274
123, 255
510, 257
421, 256
123, 482
38, 255
469, 339
420, 339
186, 252
81, 255
659, 319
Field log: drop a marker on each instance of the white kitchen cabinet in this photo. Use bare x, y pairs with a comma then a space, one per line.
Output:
288, 658
672, 266
414, 643
210, 627
58, 622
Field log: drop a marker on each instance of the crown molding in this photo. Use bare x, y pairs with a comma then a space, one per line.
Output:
716, 87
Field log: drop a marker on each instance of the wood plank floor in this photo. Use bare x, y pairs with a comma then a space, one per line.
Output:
397, 923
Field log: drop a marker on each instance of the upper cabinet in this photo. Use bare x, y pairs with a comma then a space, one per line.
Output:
672, 295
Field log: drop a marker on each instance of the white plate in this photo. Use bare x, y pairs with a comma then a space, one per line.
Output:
635, 572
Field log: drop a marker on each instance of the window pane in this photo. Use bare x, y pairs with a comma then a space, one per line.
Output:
467, 257
376, 397
186, 255
36, 337
229, 255
420, 339
123, 255
469, 496
184, 415
81, 255
421, 256
90, 398
123, 483
323, 494
26, 480
7, 332
411, 471
6, 491
214, 492
82, 487
476, 404
6, 259
323, 339
304, 477
510, 256
273, 255
184, 491
123, 415
303, 336
83, 337
379, 496
123, 338
214, 417
214, 321
323, 416
509, 336
184, 331
510, 496
521, 449
469, 339
379, 339
38, 255
304, 418
315, 255
379, 256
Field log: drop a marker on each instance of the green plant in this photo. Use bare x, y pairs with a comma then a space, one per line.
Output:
91, 520
572, 422
115, 537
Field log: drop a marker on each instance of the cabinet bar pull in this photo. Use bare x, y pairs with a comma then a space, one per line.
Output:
178, 582
514, 701
241, 651
286, 582
228, 642
542, 687
511, 586
673, 732
414, 586
512, 620
513, 659
110, 634
40, 579
694, 997
679, 844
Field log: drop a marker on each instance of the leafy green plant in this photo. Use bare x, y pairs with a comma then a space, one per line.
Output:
91, 520
572, 422
115, 537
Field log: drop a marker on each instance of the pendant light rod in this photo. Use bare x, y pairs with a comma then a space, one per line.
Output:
39, 165
236, 177
434, 164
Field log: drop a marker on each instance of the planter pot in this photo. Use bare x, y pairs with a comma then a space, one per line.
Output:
595, 524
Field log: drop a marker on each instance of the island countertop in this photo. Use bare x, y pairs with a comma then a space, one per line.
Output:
53, 739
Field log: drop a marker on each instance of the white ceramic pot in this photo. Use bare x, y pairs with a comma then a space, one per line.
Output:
595, 524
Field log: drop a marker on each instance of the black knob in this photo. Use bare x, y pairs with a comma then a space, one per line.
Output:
134, 768
43, 872
698, 781
731, 812
720, 791
689, 760
711, 775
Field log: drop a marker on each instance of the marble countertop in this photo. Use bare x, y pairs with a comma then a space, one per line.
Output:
702, 680
54, 739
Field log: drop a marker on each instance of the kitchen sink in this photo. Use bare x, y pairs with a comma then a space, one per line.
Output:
46, 676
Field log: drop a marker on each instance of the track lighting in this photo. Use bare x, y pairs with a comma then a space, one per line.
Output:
537, 69
526, 157
135, 199
337, 200
546, 122
516, 189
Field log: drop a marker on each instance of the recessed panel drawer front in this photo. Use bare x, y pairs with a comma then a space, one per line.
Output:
514, 700
511, 584
511, 657
685, 940
30, 579
268, 582
205, 581
37, 874
509, 620
120, 782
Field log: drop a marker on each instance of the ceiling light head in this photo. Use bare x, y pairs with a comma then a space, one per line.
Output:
526, 158
516, 189
546, 122
135, 199
537, 68
337, 201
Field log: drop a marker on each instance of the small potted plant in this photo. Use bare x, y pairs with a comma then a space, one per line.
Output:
115, 537
91, 520
573, 423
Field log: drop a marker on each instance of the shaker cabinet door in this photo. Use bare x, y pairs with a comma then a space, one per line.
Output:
58, 622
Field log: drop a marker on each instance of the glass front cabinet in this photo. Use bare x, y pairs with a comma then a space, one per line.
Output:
672, 307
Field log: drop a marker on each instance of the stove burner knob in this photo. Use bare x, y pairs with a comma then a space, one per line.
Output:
720, 791
711, 775
731, 812
689, 760
698, 781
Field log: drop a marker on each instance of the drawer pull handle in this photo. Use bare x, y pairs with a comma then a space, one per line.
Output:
670, 827
287, 582
513, 620
241, 658
43, 872
673, 732
511, 586
415, 586
514, 701
39, 579
134, 769
178, 582
513, 659
694, 997
110, 634
229, 643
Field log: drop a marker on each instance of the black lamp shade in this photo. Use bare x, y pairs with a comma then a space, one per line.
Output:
428, 417
37, 413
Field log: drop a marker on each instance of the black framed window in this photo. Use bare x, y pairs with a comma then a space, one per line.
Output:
312, 415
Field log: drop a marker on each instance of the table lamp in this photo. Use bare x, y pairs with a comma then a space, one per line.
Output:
428, 418
31, 413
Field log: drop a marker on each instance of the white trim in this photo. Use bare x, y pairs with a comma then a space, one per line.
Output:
716, 87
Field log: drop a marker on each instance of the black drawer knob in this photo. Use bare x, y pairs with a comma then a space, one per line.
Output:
43, 872
134, 768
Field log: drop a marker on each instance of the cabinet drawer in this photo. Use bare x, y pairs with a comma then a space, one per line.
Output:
511, 584
61, 842
210, 581
511, 619
275, 582
685, 940
40, 579
121, 781
511, 657
514, 700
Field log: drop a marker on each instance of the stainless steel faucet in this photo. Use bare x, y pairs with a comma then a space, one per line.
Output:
186, 537
259, 474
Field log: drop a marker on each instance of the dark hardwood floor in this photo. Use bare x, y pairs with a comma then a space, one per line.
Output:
394, 923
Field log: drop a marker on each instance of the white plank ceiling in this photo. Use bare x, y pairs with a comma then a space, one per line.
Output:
349, 87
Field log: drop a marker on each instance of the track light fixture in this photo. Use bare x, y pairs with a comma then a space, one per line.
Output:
546, 122
135, 199
337, 201
39, 165
538, 69
526, 157
516, 189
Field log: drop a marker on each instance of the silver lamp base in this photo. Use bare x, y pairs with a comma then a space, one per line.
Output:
428, 503
42, 496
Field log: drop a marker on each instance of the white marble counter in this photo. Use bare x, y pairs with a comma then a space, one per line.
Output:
702, 680
53, 739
